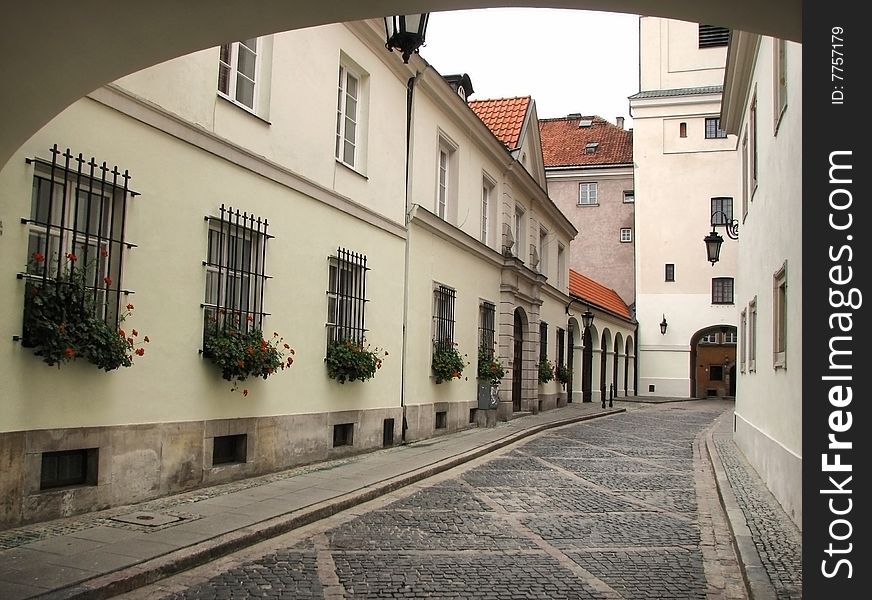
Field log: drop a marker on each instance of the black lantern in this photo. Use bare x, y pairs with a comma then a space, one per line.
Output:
405, 33
714, 240
587, 319
664, 324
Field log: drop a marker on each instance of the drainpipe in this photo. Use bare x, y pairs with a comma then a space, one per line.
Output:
410, 88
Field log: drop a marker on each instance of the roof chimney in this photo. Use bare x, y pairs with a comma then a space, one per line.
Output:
620, 122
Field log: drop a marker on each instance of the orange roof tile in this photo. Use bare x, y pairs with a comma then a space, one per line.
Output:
587, 289
564, 142
503, 116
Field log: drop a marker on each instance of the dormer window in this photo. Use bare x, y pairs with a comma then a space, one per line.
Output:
591, 148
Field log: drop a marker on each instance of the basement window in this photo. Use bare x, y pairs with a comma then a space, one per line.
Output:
229, 449
343, 434
442, 419
68, 468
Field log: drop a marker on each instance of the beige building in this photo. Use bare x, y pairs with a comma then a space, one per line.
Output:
246, 199
686, 179
589, 167
763, 107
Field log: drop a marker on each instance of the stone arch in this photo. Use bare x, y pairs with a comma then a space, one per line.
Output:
710, 363
620, 366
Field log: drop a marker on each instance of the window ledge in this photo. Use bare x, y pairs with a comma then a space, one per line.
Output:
352, 169
243, 108
594, 204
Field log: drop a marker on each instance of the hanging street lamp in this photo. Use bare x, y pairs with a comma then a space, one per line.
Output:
714, 240
405, 33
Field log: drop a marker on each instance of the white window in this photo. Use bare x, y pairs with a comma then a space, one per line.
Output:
709, 338
442, 194
543, 251
779, 317
485, 211
752, 335
626, 234
629, 196
237, 71
722, 211
745, 183
587, 193
561, 266
743, 330
520, 231
779, 94
731, 337
446, 180
754, 162
713, 129
348, 110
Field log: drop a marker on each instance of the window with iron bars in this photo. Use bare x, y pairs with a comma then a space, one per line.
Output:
235, 270
346, 297
543, 341
561, 345
77, 221
443, 316
487, 326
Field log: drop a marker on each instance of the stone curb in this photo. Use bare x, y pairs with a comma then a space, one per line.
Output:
757, 581
152, 570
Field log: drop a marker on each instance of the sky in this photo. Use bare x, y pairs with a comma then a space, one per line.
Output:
569, 61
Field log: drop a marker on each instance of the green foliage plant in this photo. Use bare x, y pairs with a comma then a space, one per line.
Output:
61, 321
241, 351
562, 374
349, 360
489, 366
546, 371
447, 363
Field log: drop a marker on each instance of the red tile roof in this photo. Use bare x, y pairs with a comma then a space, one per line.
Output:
503, 116
589, 290
564, 142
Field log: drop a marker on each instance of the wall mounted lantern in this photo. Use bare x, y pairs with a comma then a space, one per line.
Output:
405, 33
663, 325
587, 319
714, 240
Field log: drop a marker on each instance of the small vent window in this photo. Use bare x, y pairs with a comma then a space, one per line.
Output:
711, 36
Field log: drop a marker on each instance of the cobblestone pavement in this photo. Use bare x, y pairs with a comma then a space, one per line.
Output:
777, 539
625, 507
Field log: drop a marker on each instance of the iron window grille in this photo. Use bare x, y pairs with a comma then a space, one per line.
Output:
713, 129
487, 326
722, 211
346, 297
235, 270
712, 36
722, 290
561, 346
670, 272
237, 71
77, 217
443, 317
543, 341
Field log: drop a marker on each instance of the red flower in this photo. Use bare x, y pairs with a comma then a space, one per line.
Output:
386, 353
107, 280
69, 352
290, 361
145, 339
250, 351
240, 364
38, 257
140, 351
104, 252
287, 347
135, 333
71, 256
129, 307
121, 333
245, 392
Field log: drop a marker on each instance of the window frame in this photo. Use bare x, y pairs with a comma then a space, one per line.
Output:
626, 235
346, 297
779, 318
543, 341
487, 209
723, 204
714, 132
631, 194
588, 194
720, 288
752, 335
348, 70
444, 303
754, 158
520, 229
779, 85
669, 272
543, 255
743, 339
234, 49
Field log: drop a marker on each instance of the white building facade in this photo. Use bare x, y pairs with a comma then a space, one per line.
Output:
686, 174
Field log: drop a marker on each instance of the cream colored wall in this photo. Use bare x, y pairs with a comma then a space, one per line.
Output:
768, 239
172, 382
296, 127
671, 57
434, 261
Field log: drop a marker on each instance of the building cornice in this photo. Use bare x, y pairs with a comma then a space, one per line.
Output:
117, 98
741, 58
433, 224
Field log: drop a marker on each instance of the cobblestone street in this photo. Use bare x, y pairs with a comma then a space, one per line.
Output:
619, 507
